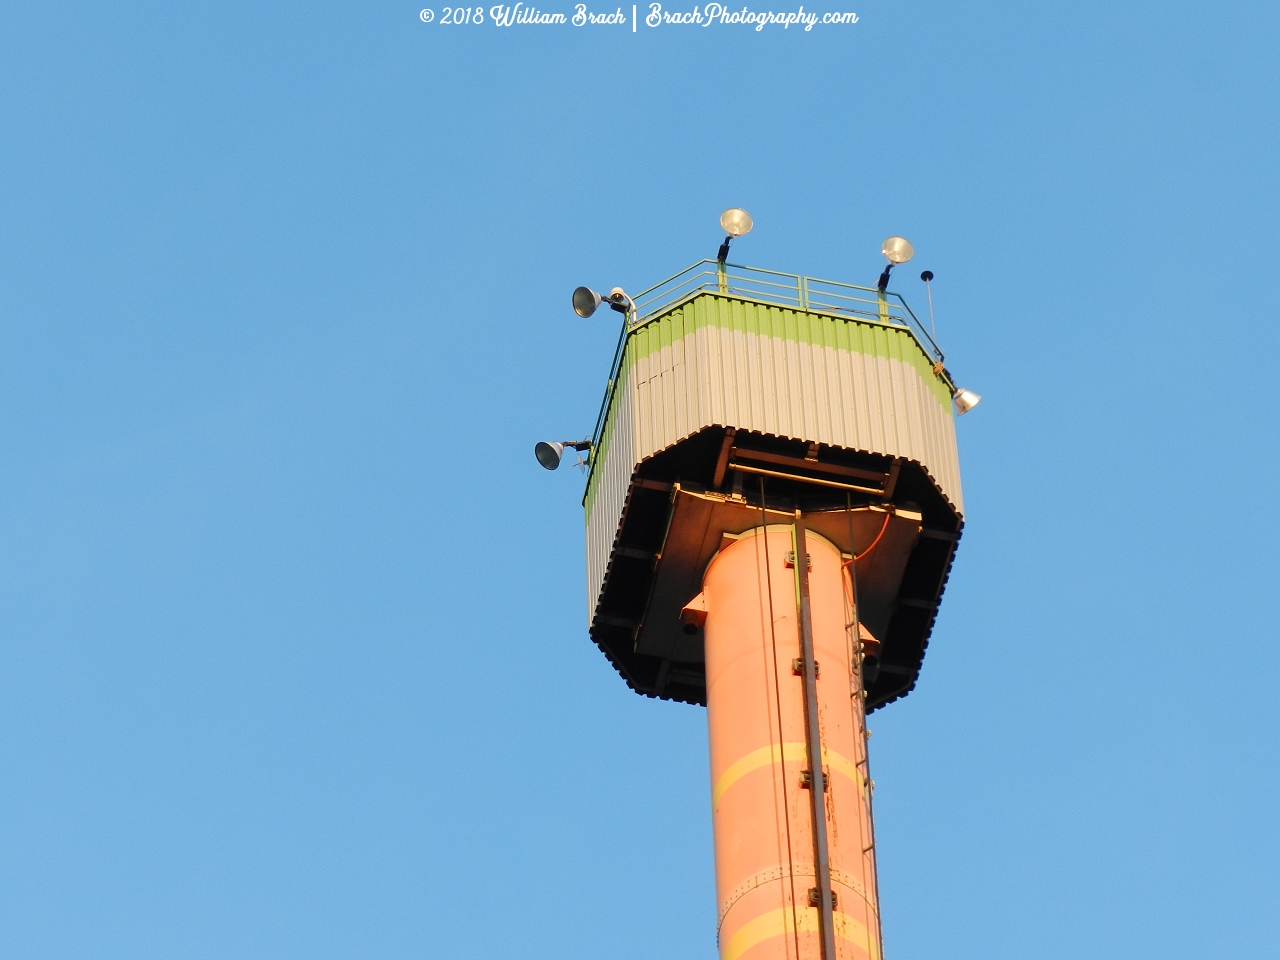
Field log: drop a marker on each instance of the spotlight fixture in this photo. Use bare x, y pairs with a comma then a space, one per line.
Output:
735, 222
896, 250
618, 300
586, 301
965, 400
549, 452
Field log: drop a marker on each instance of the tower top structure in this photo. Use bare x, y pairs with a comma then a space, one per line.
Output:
737, 396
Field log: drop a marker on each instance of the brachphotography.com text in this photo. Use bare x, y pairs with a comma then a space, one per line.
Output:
649, 16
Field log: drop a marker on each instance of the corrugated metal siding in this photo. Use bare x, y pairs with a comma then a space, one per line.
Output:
604, 508
719, 361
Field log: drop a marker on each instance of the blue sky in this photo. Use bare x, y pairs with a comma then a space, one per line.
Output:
293, 660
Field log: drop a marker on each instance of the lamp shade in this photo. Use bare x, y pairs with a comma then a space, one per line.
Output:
549, 453
965, 400
898, 249
736, 222
585, 301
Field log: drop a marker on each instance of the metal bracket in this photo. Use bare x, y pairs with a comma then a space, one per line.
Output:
815, 898
806, 780
810, 465
722, 462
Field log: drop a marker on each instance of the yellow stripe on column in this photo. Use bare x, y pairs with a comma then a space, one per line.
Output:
777, 923
793, 751
834, 761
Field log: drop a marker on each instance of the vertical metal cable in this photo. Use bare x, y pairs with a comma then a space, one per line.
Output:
778, 776
777, 699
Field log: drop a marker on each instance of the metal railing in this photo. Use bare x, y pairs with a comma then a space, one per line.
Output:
787, 290
844, 300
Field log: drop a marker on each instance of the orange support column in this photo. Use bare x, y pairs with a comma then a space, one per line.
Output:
766, 880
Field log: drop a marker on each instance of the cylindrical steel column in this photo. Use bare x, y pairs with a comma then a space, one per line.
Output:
765, 873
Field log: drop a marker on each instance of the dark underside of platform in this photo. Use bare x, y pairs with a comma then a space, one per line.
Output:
794, 476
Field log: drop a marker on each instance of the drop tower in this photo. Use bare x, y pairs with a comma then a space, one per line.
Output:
773, 505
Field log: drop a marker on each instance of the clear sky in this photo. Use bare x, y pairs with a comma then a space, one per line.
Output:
293, 655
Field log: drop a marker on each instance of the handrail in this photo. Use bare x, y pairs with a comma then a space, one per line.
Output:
810, 294
785, 289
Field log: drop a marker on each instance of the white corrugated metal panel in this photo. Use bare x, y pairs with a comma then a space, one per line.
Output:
604, 510
789, 389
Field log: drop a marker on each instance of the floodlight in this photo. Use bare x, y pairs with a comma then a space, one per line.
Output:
549, 452
735, 222
585, 302
965, 400
898, 249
